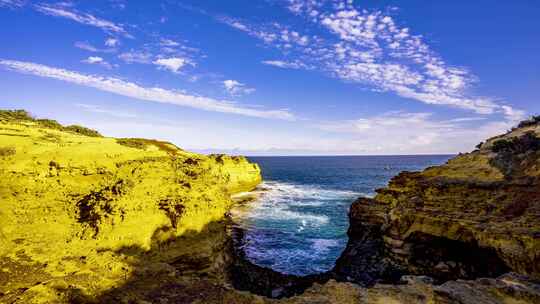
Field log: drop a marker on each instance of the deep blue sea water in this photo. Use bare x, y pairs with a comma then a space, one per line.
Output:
299, 224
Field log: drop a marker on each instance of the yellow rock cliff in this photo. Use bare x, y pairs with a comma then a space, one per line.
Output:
71, 203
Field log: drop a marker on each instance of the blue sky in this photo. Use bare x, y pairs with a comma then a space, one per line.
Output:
281, 77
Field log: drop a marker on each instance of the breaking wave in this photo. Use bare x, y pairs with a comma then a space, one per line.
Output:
295, 224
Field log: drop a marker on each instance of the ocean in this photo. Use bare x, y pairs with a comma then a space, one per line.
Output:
299, 223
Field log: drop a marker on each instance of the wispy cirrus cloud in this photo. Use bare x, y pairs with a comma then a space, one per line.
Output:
236, 88
165, 54
12, 3
82, 18
152, 94
276, 34
286, 64
416, 132
370, 48
168, 42
267, 37
83, 45
172, 64
134, 56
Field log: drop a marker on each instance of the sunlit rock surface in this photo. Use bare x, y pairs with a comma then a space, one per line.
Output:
81, 215
90, 219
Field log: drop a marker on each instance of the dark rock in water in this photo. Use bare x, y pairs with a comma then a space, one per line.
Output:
264, 281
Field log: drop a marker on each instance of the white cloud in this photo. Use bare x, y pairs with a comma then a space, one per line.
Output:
169, 43
235, 88
88, 47
136, 57
93, 59
12, 3
83, 18
153, 94
302, 6
285, 64
119, 4
112, 42
416, 132
173, 64
277, 35
97, 60
374, 50
371, 49
514, 115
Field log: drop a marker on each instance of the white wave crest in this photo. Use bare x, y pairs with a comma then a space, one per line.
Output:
276, 200
322, 246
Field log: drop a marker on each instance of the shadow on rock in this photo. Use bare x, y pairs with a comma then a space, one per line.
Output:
186, 269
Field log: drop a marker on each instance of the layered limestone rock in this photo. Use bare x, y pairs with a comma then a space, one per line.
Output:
509, 288
476, 216
82, 214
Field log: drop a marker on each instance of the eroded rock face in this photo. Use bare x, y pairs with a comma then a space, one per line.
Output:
509, 288
476, 216
83, 216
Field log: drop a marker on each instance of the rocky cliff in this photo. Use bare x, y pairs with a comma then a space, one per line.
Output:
90, 219
476, 216
82, 214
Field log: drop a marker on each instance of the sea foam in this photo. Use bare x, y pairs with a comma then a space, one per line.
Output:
283, 226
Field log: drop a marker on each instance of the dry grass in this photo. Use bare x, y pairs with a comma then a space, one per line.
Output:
142, 143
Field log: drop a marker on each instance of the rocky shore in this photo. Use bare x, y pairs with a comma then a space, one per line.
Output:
90, 219
477, 216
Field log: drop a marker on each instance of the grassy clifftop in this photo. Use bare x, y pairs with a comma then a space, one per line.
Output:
74, 202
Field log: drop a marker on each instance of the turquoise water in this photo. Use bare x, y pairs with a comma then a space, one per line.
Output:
299, 223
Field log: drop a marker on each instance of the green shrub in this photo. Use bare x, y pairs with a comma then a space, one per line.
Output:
515, 154
137, 143
142, 143
518, 145
83, 131
11, 115
49, 123
502, 145
534, 120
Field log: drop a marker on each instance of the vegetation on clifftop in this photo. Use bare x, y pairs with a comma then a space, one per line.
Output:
25, 117
533, 121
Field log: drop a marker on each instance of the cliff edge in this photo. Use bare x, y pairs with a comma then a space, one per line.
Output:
82, 214
477, 216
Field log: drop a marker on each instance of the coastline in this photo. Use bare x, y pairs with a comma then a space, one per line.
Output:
149, 223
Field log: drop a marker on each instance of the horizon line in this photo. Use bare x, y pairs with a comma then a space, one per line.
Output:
353, 155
